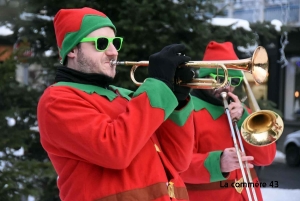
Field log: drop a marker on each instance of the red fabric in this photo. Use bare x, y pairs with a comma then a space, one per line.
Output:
214, 135
98, 150
69, 20
219, 51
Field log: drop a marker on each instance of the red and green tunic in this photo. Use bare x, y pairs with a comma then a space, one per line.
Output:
212, 136
111, 145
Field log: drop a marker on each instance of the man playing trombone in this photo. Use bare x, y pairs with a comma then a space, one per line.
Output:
215, 171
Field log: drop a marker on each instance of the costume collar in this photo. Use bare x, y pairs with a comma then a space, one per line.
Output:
90, 89
214, 110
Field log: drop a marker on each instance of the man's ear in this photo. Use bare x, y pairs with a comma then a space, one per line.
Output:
73, 52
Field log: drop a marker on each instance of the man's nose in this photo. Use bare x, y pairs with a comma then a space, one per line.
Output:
111, 50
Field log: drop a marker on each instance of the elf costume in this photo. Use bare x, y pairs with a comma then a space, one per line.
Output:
204, 179
108, 143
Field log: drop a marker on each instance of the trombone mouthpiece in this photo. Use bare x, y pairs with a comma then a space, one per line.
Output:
223, 94
225, 102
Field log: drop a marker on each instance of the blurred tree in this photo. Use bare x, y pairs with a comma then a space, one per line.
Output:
147, 26
24, 166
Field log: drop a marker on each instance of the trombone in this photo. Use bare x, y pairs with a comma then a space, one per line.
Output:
260, 128
257, 65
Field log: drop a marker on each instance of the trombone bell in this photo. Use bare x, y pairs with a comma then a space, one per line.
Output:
260, 65
262, 128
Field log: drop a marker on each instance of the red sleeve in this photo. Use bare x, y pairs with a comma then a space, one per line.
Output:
263, 155
176, 137
72, 127
196, 173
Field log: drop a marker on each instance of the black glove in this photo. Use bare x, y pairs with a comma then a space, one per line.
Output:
182, 75
163, 64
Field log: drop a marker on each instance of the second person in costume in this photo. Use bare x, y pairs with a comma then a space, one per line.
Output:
214, 157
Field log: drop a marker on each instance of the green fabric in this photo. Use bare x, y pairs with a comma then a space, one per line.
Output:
123, 92
89, 24
159, 94
90, 89
244, 116
212, 164
180, 116
203, 72
215, 111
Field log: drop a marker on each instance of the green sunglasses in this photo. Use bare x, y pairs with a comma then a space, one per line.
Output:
102, 43
234, 81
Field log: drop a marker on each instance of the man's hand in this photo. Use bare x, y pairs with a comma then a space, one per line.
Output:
229, 160
163, 64
235, 107
186, 75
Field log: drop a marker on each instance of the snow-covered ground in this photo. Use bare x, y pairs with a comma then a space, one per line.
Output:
277, 194
279, 157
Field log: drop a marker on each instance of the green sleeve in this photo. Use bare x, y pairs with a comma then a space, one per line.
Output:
159, 94
212, 164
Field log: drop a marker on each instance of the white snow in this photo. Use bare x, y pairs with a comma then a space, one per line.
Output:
19, 152
249, 49
277, 194
236, 23
277, 24
280, 157
5, 31
10, 121
29, 16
